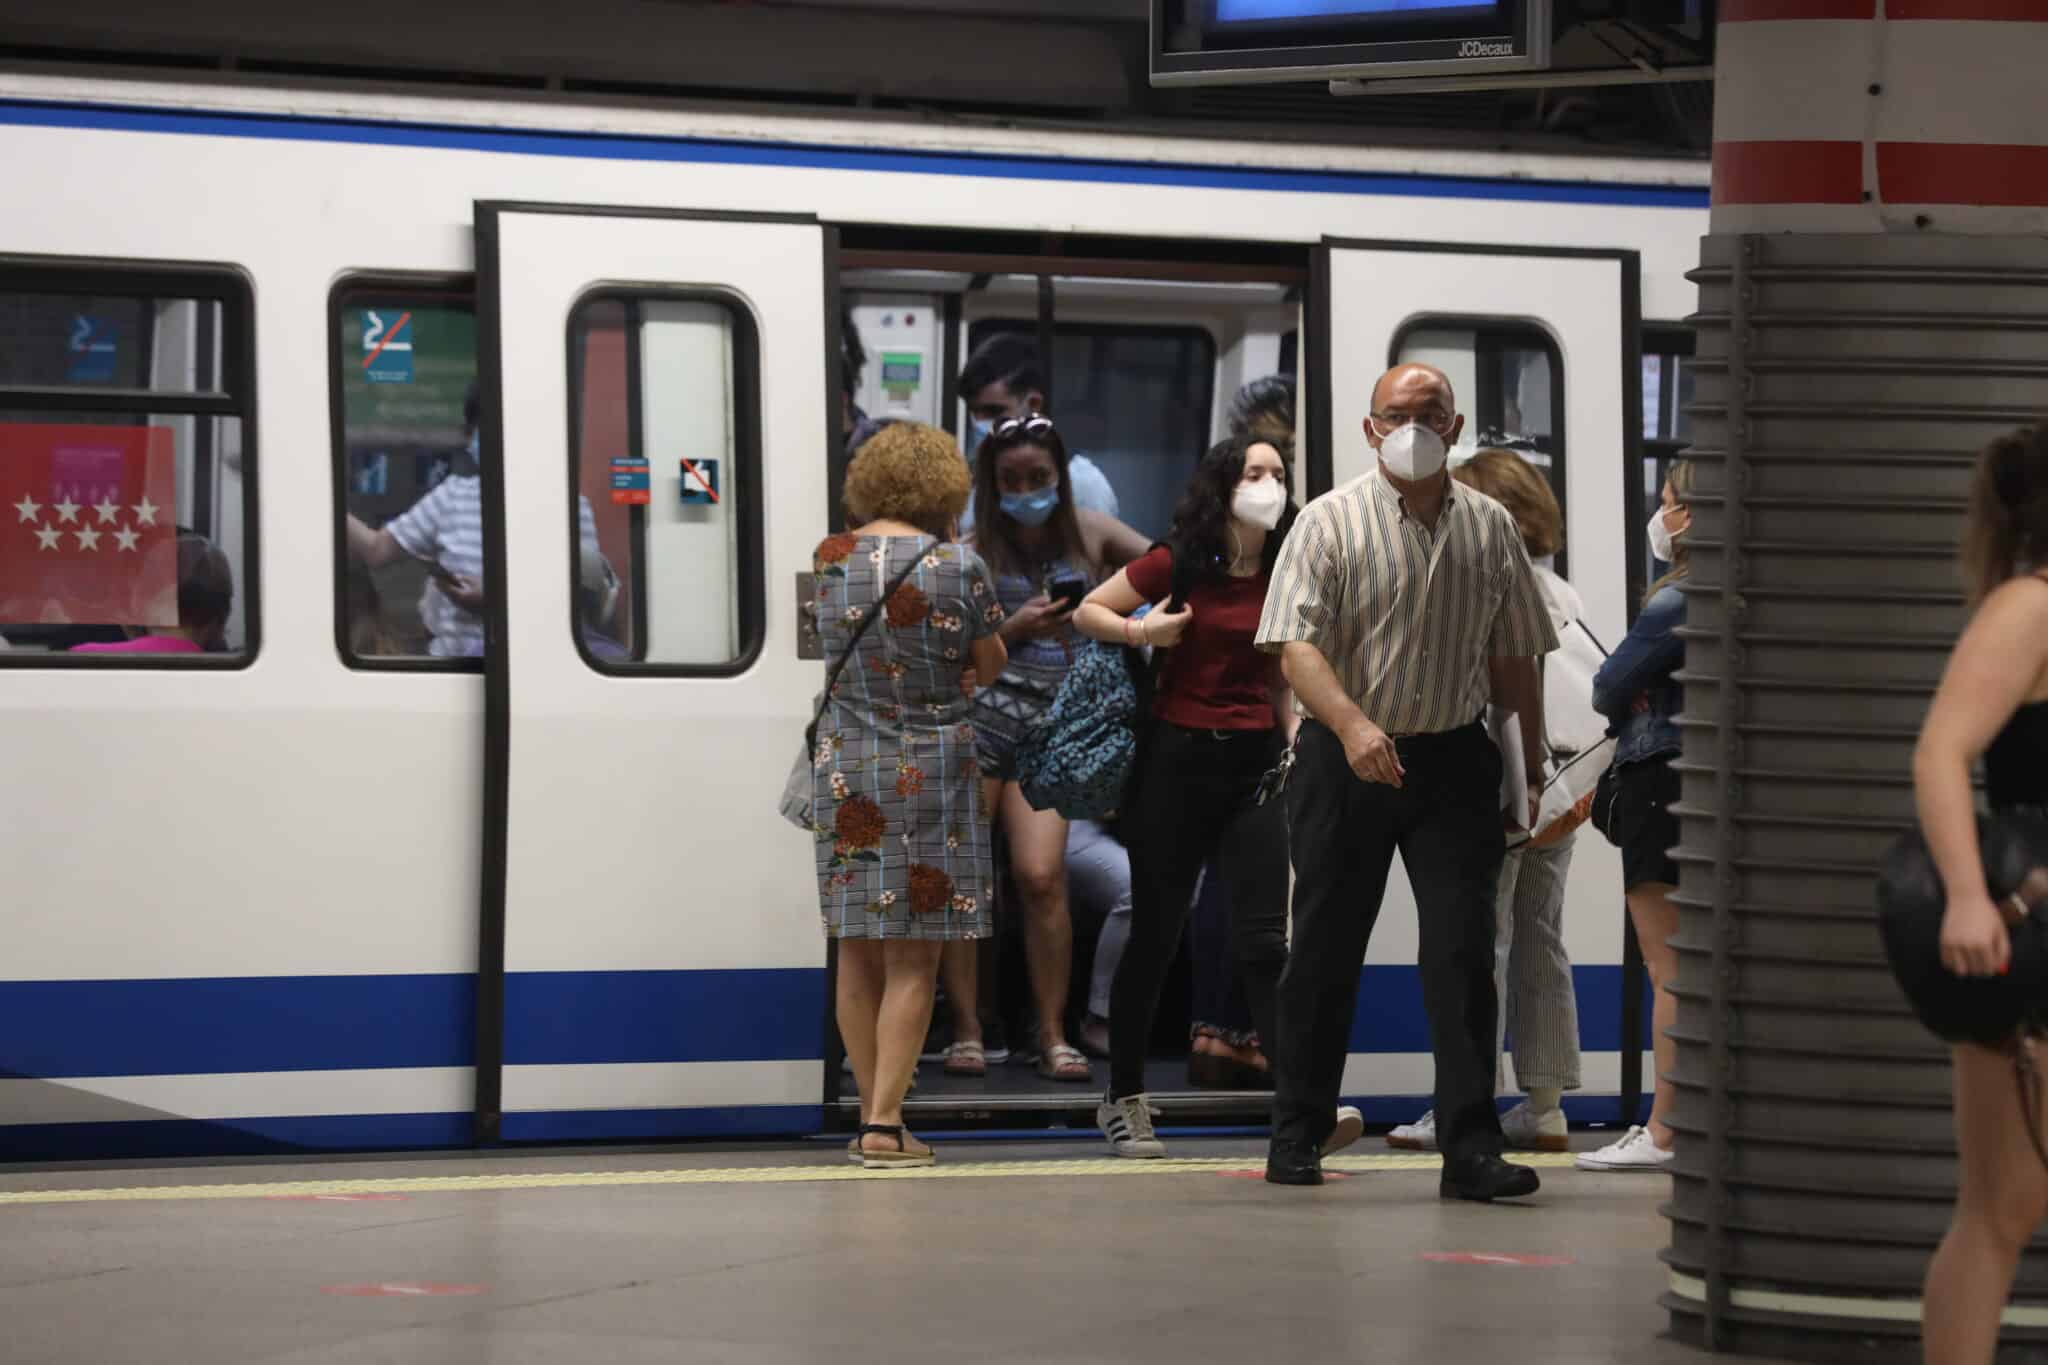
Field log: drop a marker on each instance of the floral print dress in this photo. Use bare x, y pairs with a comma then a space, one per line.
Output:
902, 840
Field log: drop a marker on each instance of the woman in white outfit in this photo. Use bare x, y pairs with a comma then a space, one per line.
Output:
1532, 974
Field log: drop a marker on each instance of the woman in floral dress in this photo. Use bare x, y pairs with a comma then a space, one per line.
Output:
902, 839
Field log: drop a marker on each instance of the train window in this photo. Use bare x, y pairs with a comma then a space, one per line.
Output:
1135, 400
1668, 375
1509, 378
128, 526
408, 490
665, 458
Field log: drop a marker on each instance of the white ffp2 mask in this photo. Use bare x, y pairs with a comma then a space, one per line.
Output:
1259, 504
1660, 537
1413, 452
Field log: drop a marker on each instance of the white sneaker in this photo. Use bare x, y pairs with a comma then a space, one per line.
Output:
1527, 1130
1419, 1136
1127, 1123
1635, 1151
1350, 1125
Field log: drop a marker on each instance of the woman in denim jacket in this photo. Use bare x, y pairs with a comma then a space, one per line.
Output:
1635, 690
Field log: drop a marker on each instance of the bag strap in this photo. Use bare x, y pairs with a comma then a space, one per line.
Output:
839, 664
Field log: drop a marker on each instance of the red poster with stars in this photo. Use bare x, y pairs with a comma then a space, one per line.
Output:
88, 525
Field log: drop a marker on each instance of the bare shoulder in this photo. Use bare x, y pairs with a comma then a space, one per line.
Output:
2018, 603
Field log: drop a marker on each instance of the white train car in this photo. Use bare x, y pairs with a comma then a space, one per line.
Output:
330, 885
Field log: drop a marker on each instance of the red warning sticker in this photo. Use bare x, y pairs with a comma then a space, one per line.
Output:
1493, 1258
402, 1289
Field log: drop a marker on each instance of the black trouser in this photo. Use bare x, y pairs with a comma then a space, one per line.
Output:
1194, 806
1343, 832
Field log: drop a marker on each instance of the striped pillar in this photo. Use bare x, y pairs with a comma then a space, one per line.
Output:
1873, 309
1881, 116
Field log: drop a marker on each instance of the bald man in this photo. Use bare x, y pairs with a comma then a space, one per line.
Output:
1401, 605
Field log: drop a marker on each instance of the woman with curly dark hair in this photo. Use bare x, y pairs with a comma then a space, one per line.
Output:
1992, 705
896, 809
1220, 722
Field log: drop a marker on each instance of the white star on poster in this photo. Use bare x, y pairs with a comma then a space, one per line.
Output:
87, 540
29, 508
145, 512
48, 536
66, 509
109, 511
125, 539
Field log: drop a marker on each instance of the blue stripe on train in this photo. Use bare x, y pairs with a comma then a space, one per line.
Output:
321, 1023
315, 1023
155, 1138
717, 152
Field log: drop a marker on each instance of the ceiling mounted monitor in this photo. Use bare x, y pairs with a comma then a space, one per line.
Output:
1238, 42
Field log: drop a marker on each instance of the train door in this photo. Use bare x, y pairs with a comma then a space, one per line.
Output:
1543, 348
650, 959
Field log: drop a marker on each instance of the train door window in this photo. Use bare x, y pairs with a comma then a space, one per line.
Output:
1137, 401
128, 525
408, 487
1668, 376
1509, 380
665, 462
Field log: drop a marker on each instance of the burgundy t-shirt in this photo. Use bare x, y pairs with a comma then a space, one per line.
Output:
1214, 679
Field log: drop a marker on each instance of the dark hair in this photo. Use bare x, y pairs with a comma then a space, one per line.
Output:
853, 357
1201, 523
206, 589
1264, 409
995, 535
1007, 359
2007, 526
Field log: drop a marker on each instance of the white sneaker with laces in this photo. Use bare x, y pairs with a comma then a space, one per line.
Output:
1636, 1150
1528, 1130
1419, 1136
1127, 1123
1349, 1127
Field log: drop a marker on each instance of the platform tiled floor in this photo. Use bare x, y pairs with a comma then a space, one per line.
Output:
1072, 1260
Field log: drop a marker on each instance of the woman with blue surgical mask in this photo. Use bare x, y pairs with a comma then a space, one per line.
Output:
1046, 554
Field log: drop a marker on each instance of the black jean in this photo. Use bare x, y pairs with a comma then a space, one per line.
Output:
1194, 805
1343, 834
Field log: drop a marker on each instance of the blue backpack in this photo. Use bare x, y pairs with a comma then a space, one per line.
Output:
1080, 757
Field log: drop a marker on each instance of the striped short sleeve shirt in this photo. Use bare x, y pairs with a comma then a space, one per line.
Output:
1407, 616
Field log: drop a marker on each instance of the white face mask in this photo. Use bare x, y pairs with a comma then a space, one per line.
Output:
1413, 452
1660, 537
1259, 504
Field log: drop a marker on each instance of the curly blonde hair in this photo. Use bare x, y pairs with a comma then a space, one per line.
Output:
1514, 483
908, 472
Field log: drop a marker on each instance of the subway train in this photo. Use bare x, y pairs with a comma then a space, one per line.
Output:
335, 874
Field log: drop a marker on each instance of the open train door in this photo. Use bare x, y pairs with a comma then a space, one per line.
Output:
1543, 347
650, 963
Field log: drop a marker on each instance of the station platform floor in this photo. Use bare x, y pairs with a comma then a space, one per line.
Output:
1015, 1251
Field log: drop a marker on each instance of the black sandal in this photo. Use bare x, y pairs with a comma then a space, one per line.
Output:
900, 1159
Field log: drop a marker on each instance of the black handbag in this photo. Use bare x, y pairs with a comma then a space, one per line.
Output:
1911, 904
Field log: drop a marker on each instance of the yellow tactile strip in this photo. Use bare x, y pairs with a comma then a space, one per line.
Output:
822, 1169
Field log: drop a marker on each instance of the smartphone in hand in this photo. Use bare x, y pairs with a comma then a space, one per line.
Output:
1067, 592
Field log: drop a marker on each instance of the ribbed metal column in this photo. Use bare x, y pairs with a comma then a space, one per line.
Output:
1845, 386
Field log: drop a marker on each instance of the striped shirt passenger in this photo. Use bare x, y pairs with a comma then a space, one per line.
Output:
1402, 604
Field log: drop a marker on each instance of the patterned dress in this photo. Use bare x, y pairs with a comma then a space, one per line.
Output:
902, 840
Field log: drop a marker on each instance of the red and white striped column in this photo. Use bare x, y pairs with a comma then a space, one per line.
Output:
1881, 116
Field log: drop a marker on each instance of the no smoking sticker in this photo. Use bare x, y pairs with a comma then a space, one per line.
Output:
1493, 1258
402, 1289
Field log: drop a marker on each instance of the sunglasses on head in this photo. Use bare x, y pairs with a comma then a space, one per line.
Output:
1033, 425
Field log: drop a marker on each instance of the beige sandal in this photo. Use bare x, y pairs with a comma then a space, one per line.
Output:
966, 1059
900, 1159
1063, 1062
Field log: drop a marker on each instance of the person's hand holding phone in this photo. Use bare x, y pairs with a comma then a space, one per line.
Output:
1036, 619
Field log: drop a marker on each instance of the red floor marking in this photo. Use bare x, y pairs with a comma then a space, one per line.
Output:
336, 1198
402, 1289
1493, 1258
1261, 1175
